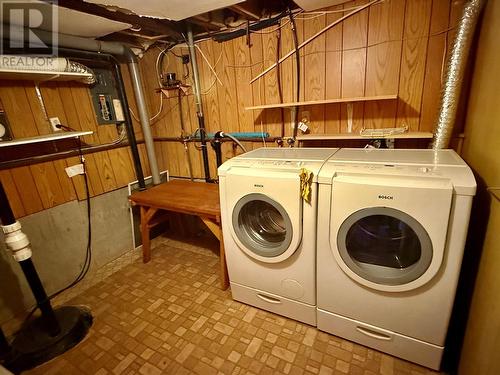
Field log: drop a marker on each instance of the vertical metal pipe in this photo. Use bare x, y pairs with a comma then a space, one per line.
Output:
183, 135
51, 324
130, 128
135, 75
199, 103
42, 300
6, 215
216, 145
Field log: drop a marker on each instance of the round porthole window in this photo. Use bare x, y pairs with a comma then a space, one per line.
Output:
262, 225
384, 245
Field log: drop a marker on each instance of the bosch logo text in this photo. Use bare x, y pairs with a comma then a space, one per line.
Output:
386, 197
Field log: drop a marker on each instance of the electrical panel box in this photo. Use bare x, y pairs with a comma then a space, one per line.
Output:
107, 105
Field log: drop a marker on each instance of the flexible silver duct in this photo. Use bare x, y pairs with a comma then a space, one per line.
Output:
48, 64
455, 69
75, 67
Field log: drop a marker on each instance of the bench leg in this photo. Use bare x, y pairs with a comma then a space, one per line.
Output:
216, 229
146, 215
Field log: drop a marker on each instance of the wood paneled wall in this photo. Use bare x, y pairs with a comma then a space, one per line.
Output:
43, 185
394, 47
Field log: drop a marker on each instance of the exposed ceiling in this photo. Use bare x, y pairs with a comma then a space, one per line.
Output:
141, 23
70, 22
309, 5
166, 21
177, 10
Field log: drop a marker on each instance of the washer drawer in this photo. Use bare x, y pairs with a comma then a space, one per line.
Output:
274, 303
420, 352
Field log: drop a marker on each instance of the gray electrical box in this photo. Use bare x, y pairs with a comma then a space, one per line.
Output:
107, 105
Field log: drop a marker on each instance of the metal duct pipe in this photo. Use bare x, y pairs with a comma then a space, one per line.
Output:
455, 70
116, 49
199, 103
135, 75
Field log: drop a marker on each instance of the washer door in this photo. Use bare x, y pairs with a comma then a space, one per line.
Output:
262, 225
385, 246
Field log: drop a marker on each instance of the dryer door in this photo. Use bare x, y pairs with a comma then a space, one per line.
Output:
384, 245
387, 232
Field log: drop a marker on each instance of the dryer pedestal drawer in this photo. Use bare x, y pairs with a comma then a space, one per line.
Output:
274, 303
405, 347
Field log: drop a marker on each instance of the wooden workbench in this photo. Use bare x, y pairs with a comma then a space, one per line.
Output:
187, 197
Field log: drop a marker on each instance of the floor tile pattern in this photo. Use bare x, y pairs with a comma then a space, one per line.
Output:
170, 317
94, 276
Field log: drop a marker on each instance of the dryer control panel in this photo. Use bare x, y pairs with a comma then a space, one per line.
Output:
460, 175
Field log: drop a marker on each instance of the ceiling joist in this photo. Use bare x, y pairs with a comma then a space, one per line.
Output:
248, 10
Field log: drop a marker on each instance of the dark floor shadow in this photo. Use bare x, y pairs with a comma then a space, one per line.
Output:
472, 256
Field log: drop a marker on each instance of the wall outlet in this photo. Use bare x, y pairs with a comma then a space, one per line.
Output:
54, 121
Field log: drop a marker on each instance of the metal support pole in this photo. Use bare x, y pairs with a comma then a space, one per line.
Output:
130, 128
217, 146
199, 103
135, 76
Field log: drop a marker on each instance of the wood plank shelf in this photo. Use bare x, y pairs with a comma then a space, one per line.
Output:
37, 75
44, 138
333, 137
326, 101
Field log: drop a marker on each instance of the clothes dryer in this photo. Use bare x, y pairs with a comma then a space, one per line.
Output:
392, 226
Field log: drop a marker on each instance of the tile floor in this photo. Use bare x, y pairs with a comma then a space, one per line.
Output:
171, 317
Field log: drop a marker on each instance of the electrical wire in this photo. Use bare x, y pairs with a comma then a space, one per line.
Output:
208, 62
353, 48
160, 110
88, 252
332, 11
159, 64
156, 119
270, 31
121, 135
243, 26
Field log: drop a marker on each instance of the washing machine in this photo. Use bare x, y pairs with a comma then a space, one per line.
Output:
392, 226
269, 229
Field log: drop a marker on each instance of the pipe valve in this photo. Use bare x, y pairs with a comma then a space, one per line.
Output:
16, 241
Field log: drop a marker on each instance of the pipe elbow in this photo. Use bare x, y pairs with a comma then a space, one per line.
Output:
129, 55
